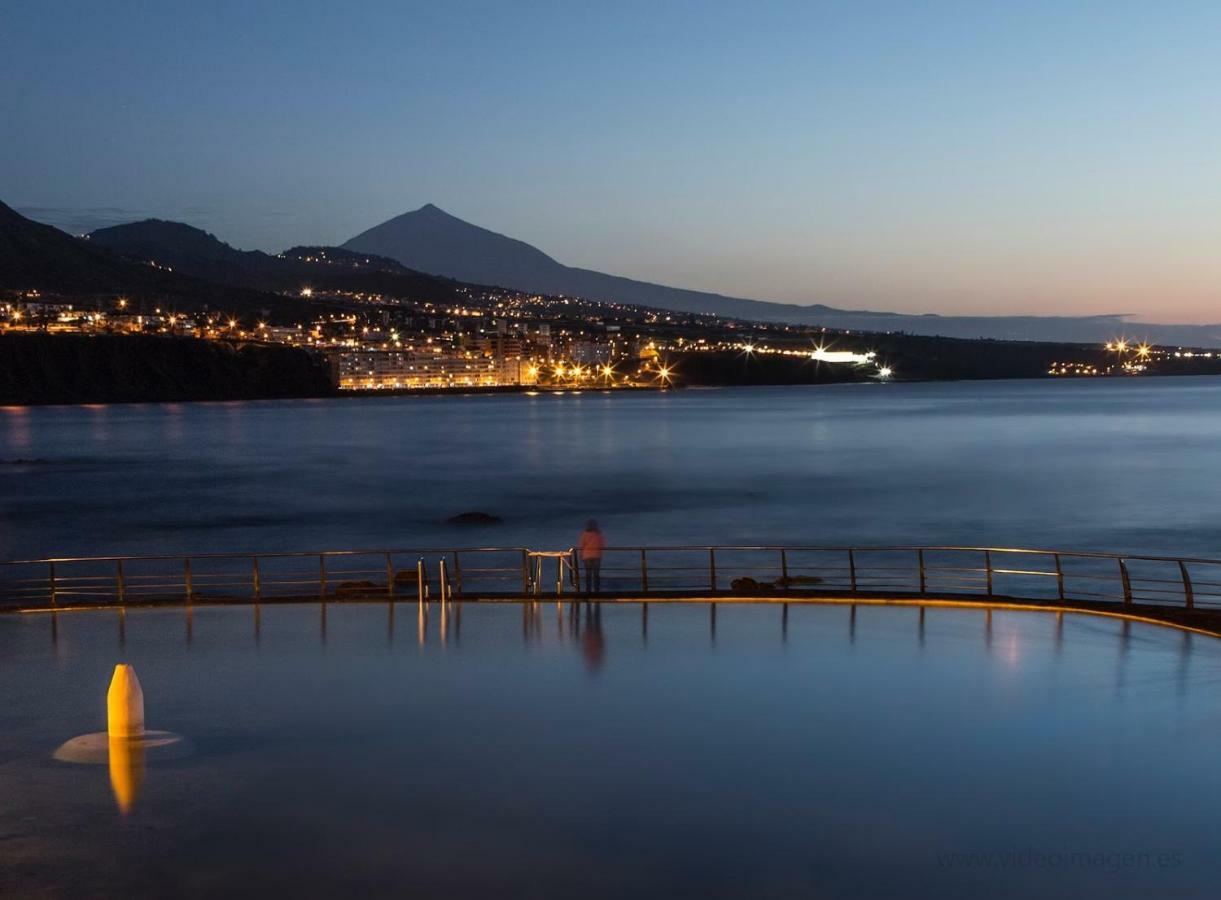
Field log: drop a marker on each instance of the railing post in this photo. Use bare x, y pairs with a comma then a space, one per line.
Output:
852, 570
51, 584
457, 573
321, 574
187, 581
1059, 577
784, 569
1127, 582
120, 582
920, 559
576, 572
712, 569
389, 575
1188, 592
419, 572
443, 587
644, 571
254, 570
525, 572
988, 568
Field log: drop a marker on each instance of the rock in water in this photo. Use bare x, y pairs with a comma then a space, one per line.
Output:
473, 518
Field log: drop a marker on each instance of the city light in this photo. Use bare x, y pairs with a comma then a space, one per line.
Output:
821, 354
499, 339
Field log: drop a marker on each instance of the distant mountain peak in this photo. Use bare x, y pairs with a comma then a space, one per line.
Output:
434, 241
430, 212
431, 240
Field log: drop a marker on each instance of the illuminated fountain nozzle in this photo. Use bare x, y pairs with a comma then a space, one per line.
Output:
125, 704
125, 745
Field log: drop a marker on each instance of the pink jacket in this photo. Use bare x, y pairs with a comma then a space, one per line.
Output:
591, 544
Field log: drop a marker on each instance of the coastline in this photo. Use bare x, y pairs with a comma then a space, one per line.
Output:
38, 369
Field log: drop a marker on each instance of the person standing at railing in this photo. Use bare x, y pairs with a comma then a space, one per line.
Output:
591, 546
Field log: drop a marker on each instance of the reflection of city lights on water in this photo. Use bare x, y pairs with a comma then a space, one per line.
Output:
1013, 654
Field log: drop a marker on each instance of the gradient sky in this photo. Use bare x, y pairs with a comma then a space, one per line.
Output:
926, 157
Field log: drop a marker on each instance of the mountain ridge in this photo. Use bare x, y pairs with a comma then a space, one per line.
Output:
429, 239
201, 254
34, 256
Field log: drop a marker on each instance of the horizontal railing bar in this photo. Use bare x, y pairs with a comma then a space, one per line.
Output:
278, 554
1068, 554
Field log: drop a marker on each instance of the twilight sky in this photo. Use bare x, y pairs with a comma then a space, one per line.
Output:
1034, 157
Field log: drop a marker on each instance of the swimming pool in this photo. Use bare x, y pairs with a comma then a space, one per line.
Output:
667, 749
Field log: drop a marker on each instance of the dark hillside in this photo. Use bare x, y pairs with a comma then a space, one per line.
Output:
38, 257
192, 251
42, 368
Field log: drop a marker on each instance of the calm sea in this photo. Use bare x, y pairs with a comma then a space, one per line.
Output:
642, 750
1127, 465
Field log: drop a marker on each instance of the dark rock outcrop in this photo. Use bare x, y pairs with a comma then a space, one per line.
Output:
473, 518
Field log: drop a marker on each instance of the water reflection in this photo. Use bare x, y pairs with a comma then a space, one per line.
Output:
455, 739
17, 427
100, 432
577, 618
593, 642
126, 764
1125, 645
1184, 664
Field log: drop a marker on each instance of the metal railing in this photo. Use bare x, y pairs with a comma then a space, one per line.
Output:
721, 571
